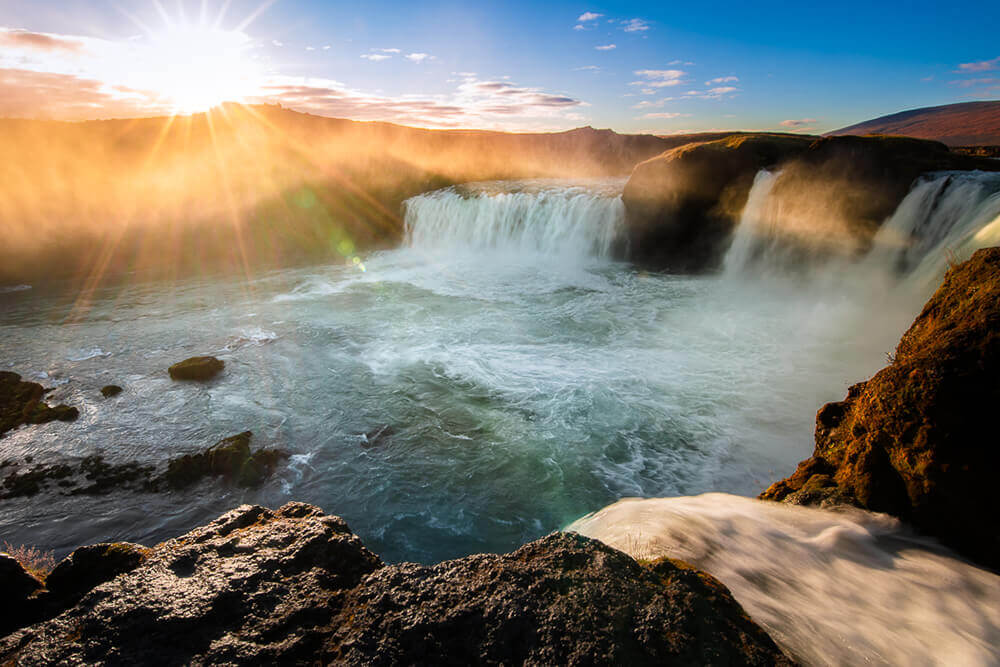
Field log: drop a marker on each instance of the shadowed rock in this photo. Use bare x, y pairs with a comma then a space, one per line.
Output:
295, 586
21, 403
229, 458
110, 390
196, 369
17, 585
917, 440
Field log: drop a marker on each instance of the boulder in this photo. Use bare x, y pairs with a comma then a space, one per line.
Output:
682, 206
230, 458
21, 403
917, 440
110, 390
196, 368
296, 586
17, 585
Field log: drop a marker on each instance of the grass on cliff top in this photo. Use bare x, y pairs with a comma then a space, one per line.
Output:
38, 563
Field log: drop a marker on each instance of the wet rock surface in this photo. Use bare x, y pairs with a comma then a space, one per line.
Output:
229, 459
296, 586
918, 440
110, 390
21, 403
198, 369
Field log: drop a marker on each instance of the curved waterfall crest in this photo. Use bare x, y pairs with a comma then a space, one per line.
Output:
521, 217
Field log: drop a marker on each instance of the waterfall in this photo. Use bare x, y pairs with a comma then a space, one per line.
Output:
752, 223
944, 218
522, 217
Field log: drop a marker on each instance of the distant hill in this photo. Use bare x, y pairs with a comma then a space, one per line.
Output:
964, 124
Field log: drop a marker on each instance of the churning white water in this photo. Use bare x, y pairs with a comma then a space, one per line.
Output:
832, 588
532, 217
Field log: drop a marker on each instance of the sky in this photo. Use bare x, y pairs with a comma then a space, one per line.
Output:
521, 66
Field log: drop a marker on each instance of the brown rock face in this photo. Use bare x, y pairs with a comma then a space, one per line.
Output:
21, 403
196, 368
682, 206
295, 586
918, 440
833, 194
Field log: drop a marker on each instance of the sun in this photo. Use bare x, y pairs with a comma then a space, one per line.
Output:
196, 67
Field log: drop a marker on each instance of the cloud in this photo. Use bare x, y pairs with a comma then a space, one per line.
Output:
326, 47
722, 79
38, 41
723, 90
606, 47
375, 57
388, 50
658, 78
473, 103
653, 104
635, 25
716, 93
981, 66
30, 94
664, 115
276, 43
800, 122
419, 57
310, 48
579, 27
588, 16
975, 83
591, 68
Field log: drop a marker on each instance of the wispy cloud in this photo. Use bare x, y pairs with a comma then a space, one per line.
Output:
664, 115
975, 83
722, 79
635, 25
981, 66
39, 41
588, 16
275, 42
606, 47
375, 57
473, 103
591, 68
418, 57
653, 104
799, 122
658, 78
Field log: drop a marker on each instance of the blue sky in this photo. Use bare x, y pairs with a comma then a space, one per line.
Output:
658, 67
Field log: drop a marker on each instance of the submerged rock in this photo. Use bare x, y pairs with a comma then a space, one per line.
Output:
196, 368
296, 586
110, 390
21, 403
229, 458
917, 440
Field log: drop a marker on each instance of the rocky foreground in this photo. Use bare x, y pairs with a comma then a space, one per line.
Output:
918, 440
296, 586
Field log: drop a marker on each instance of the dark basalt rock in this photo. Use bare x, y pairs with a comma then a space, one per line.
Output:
90, 566
110, 390
17, 585
21, 403
295, 586
918, 440
229, 458
196, 368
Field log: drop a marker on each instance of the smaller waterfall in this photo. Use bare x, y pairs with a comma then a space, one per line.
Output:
752, 224
944, 218
521, 218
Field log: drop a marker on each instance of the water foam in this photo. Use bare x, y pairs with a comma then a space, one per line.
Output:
832, 588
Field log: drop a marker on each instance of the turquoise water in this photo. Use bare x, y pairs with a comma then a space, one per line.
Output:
465, 393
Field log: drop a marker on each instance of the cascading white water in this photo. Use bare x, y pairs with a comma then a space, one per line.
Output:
524, 217
943, 219
832, 588
752, 223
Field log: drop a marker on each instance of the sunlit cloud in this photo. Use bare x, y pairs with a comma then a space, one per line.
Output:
419, 57
587, 68
653, 104
606, 47
664, 115
635, 25
275, 42
658, 78
800, 122
38, 41
716, 93
975, 83
981, 66
722, 79
473, 103
375, 57
588, 16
